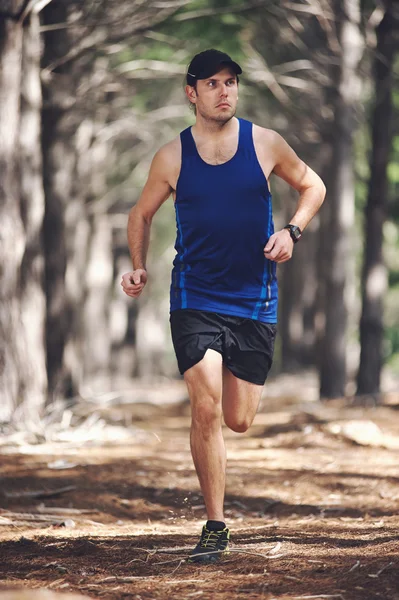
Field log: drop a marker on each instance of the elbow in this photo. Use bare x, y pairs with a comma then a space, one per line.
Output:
136, 214
323, 188
319, 190
323, 191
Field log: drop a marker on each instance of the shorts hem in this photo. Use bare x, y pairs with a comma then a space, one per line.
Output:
245, 377
194, 362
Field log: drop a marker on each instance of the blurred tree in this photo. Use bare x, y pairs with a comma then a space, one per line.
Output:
33, 376
22, 368
12, 240
374, 275
112, 81
286, 67
337, 247
64, 220
79, 40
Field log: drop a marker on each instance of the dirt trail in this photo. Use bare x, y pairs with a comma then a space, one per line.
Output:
312, 504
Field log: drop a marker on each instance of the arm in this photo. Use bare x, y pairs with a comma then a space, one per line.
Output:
311, 190
156, 190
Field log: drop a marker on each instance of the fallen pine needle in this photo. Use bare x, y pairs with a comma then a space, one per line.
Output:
171, 550
319, 596
276, 548
115, 579
318, 562
383, 568
222, 551
178, 566
179, 581
355, 566
138, 560
40, 493
56, 582
376, 575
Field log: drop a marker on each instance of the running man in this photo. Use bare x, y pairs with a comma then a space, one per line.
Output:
223, 293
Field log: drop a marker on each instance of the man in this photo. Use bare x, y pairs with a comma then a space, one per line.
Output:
223, 294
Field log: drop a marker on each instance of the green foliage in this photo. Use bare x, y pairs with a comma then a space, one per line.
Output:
391, 346
220, 30
393, 172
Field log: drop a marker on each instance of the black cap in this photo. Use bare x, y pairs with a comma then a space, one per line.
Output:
207, 63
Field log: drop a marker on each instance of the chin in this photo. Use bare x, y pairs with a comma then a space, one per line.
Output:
225, 115
220, 116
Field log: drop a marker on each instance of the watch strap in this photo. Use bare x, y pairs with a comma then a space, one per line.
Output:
295, 232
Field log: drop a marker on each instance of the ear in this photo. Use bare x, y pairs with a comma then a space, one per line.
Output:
191, 94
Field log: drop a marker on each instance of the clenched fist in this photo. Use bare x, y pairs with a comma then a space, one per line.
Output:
279, 247
133, 282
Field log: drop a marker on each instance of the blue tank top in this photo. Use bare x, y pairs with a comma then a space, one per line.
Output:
224, 220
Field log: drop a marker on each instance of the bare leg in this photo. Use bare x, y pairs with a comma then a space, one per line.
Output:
240, 401
204, 384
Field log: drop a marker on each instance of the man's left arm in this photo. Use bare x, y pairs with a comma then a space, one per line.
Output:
311, 190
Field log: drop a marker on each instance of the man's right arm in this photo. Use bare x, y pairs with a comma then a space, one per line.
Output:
156, 190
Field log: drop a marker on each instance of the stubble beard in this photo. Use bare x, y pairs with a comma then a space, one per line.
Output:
220, 119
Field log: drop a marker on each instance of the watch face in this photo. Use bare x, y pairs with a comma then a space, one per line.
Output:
297, 232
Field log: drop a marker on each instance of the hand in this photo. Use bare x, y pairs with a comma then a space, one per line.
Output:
133, 282
279, 247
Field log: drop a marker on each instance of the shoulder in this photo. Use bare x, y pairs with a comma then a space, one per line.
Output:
267, 137
166, 160
274, 145
169, 153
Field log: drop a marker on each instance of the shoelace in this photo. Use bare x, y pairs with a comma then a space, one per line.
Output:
210, 539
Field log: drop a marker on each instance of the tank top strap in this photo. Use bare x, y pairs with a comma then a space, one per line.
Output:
187, 144
245, 142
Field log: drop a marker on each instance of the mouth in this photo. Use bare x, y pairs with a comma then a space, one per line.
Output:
223, 105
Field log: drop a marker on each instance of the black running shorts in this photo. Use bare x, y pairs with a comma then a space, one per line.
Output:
245, 345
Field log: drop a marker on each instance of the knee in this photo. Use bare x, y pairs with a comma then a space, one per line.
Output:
206, 413
238, 425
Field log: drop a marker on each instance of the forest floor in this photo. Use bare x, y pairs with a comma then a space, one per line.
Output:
311, 501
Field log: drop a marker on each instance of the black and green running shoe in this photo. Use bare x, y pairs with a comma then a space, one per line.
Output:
212, 545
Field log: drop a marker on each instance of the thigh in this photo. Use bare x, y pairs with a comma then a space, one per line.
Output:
204, 384
248, 360
240, 400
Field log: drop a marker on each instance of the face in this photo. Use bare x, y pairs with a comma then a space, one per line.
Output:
216, 97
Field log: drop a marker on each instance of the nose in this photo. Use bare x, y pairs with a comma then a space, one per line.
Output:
224, 90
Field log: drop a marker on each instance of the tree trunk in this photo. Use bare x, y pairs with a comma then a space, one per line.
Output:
374, 278
298, 296
63, 205
98, 275
338, 248
12, 238
97, 336
33, 376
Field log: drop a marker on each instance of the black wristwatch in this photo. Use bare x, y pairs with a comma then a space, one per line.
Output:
295, 232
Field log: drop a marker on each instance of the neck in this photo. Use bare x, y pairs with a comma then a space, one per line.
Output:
212, 128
